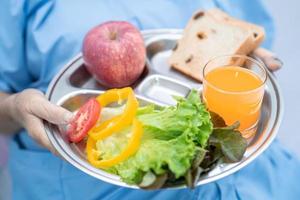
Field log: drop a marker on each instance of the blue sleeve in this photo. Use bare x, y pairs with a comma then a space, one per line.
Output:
14, 75
252, 11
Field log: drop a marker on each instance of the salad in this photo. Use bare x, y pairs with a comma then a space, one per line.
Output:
155, 146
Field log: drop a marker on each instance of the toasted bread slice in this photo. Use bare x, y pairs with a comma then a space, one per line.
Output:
209, 34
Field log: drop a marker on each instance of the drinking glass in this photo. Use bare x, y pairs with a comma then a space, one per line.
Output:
233, 87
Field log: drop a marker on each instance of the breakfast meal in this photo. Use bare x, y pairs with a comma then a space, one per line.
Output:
151, 145
209, 34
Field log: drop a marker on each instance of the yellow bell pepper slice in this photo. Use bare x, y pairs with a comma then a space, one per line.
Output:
93, 155
124, 119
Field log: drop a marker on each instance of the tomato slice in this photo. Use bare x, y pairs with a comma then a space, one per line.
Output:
84, 120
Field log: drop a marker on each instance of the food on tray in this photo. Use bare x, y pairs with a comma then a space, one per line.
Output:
153, 146
114, 53
209, 34
84, 120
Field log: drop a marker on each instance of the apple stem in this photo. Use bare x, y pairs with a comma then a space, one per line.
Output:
113, 35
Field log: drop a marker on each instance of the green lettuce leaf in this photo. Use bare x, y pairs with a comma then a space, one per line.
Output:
171, 138
158, 156
189, 114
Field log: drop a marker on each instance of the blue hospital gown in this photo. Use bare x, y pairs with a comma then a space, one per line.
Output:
38, 37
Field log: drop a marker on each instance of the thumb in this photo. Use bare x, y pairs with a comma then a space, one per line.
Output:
271, 61
51, 113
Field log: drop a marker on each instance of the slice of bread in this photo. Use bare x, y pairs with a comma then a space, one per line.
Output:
209, 34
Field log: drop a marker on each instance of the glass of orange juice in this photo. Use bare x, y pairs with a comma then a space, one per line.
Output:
233, 87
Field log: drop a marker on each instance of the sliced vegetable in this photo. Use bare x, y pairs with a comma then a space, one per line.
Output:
156, 147
94, 155
159, 156
124, 119
84, 120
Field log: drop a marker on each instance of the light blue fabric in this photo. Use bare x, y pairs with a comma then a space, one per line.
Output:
38, 37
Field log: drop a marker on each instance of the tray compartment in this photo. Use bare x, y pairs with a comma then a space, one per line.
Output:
159, 49
162, 89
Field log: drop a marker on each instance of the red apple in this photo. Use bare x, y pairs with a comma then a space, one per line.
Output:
114, 53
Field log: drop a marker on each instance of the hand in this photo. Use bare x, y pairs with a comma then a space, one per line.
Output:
30, 107
271, 61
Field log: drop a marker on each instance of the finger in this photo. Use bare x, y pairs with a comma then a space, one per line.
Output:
269, 58
36, 130
42, 108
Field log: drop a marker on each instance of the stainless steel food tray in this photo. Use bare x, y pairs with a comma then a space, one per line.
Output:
73, 85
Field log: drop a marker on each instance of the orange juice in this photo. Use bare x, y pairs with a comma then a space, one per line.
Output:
235, 93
